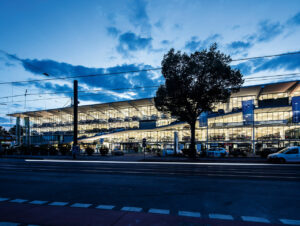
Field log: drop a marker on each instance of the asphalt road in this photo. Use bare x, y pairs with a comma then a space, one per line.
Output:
261, 190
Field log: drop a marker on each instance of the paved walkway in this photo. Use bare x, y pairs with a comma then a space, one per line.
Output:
80, 214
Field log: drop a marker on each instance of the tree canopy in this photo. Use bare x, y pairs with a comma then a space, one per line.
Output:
195, 83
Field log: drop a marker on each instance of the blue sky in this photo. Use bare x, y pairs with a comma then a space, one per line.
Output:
72, 37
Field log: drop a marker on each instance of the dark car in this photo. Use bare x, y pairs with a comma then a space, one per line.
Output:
266, 151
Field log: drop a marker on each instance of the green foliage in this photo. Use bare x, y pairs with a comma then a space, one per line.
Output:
194, 83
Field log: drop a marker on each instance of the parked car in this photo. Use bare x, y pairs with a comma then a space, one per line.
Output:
290, 154
165, 152
216, 152
266, 151
117, 152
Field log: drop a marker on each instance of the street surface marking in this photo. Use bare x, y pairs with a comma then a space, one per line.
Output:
58, 204
132, 209
8, 224
220, 216
160, 211
82, 205
38, 202
255, 219
161, 163
3, 199
189, 214
291, 222
105, 207
19, 200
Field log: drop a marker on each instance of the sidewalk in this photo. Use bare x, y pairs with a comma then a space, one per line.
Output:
62, 215
134, 157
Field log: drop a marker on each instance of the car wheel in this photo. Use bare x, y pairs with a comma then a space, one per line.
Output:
281, 160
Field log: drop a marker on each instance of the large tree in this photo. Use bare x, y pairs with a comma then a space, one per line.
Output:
194, 84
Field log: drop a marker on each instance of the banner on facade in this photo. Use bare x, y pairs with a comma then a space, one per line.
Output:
296, 109
203, 119
248, 112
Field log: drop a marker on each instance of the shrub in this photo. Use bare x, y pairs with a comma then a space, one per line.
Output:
64, 149
89, 151
52, 150
104, 151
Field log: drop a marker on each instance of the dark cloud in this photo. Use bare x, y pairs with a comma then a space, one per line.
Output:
268, 31
196, 44
238, 46
106, 83
295, 20
165, 42
4, 120
288, 62
113, 31
130, 42
138, 15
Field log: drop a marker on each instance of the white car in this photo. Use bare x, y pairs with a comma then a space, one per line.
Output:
217, 152
290, 154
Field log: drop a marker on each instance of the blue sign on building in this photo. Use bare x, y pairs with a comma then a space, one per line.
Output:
248, 112
296, 109
203, 119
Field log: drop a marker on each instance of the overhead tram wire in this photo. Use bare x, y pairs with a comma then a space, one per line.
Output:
133, 71
257, 78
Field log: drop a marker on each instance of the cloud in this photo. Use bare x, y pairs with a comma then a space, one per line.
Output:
288, 62
268, 31
110, 86
138, 16
195, 44
4, 120
159, 24
295, 20
113, 31
165, 42
130, 42
239, 46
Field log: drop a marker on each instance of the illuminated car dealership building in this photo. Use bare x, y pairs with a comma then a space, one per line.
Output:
266, 114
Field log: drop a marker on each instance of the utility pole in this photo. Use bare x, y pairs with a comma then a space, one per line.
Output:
75, 120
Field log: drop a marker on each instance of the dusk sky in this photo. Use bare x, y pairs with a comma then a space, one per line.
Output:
72, 37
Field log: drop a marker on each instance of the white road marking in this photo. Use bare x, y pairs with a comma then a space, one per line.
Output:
3, 199
189, 214
160, 163
38, 202
8, 224
58, 203
105, 207
255, 219
132, 209
82, 205
19, 200
220, 216
291, 222
160, 211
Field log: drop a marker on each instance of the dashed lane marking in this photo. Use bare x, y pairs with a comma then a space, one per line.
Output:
58, 203
105, 207
255, 219
3, 199
132, 209
81, 205
291, 222
19, 200
160, 211
38, 202
220, 216
189, 214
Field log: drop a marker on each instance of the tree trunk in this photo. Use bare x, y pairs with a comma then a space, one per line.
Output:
192, 147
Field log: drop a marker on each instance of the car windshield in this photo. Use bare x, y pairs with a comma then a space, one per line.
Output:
283, 150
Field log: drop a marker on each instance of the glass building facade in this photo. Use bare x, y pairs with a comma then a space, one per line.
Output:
256, 116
